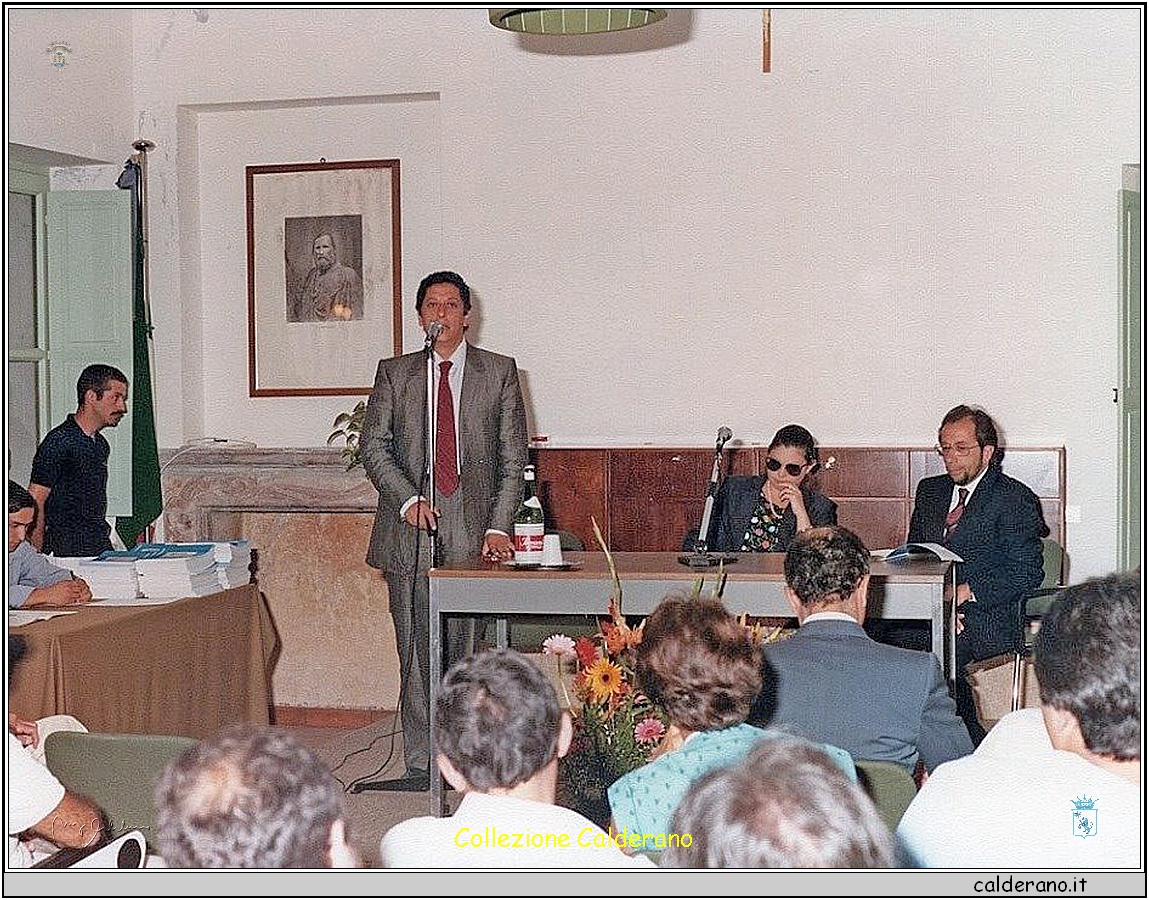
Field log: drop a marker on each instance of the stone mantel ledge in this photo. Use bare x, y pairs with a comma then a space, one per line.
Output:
200, 481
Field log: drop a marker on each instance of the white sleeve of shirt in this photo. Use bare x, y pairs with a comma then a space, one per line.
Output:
33, 791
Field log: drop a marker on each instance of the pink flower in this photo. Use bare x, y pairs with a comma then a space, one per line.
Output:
559, 645
648, 731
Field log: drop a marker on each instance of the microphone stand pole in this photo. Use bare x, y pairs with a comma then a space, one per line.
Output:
430, 438
700, 558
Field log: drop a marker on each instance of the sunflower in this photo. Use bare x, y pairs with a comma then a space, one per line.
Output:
604, 679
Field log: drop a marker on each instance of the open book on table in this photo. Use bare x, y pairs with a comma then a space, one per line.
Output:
917, 551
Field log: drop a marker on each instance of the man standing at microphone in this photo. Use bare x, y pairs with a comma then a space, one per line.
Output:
481, 449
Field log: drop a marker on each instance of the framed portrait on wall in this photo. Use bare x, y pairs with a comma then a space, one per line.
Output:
324, 278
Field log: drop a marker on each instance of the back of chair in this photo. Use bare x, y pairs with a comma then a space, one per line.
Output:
117, 772
889, 785
1052, 563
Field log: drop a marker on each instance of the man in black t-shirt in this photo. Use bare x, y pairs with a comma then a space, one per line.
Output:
70, 471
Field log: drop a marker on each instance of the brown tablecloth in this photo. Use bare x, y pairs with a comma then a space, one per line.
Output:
187, 667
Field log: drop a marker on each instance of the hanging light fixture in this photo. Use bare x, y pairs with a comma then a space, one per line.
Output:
573, 21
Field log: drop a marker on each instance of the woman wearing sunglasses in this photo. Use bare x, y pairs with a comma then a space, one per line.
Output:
762, 513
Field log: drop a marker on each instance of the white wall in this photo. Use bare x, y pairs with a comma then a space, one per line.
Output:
915, 208
83, 108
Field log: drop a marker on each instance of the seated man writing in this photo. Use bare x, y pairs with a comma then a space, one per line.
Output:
32, 579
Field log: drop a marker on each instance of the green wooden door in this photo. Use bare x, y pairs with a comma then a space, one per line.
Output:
89, 311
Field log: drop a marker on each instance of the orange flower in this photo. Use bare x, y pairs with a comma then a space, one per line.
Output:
634, 635
615, 638
586, 651
604, 679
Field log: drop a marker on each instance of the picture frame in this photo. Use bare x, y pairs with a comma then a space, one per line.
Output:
324, 279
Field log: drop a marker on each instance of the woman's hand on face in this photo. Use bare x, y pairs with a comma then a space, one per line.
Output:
791, 495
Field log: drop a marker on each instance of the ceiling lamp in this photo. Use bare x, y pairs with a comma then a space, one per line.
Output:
573, 21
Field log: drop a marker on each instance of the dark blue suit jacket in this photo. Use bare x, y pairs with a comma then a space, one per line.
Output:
999, 538
734, 504
833, 683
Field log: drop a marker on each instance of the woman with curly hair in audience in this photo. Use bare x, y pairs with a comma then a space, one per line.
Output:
703, 669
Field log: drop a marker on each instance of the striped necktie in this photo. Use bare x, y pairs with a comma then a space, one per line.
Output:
955, 514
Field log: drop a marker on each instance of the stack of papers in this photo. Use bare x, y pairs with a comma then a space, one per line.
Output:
108, 579
232, 563
171, 570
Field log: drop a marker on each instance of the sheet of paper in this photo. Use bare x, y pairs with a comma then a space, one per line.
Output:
19, 617
132, 601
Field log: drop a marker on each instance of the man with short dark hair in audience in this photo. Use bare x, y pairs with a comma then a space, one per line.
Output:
994, 523
1056, 787
33, 580
38, 805
70, 470
500, 735
786, 805
835, 684
251, 798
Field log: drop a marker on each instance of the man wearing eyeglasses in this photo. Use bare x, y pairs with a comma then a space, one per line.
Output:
994, 523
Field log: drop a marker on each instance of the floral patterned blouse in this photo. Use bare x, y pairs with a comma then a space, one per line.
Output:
762, 532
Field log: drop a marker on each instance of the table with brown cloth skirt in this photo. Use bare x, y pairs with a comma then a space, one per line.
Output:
186, 667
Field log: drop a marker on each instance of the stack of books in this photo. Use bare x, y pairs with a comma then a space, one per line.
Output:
171, 570
183, 570
232, 563
113, 579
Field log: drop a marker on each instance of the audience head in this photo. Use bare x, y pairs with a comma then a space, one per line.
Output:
1087, 659
443, 278
826, 568
786, 805
250, 798
21, 514
698, 664
498, 722
791, 455
967, 442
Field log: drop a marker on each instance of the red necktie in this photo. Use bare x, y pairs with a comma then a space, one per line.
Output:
955, 514
446, 457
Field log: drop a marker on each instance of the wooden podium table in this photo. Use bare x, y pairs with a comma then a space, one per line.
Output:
754, 584
186, 667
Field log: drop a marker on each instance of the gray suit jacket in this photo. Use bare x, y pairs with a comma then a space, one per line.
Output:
836, 685
492, 443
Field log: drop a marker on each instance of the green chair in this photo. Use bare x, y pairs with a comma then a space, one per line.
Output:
1032, 608
889, 785
117, 772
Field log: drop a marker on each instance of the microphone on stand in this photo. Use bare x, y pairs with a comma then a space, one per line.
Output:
700, 558
433, 331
